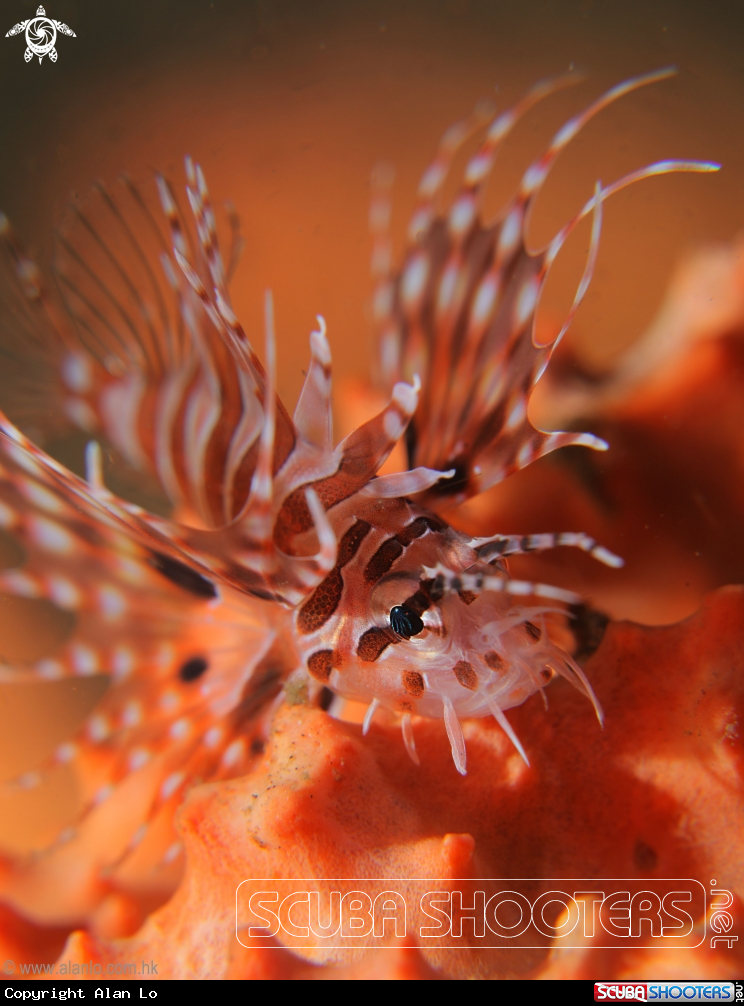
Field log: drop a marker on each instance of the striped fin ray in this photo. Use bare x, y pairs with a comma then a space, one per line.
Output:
350, 468
424, 224
268, 539
193, 663
32, 345
463, 308
162, 368
423, 218
135, 355
206, 225
235, 440
467, 254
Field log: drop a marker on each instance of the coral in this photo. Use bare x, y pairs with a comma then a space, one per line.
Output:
657, 793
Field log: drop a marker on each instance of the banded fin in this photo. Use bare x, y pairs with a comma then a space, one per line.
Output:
134, 353
503, 545
149, 355
461, 310
354, 463
193, 664
32, 345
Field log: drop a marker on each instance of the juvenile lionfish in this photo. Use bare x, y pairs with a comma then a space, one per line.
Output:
291, 562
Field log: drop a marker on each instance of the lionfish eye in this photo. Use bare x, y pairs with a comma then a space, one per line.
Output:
405, 622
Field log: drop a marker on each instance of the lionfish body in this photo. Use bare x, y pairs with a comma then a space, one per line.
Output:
290, 559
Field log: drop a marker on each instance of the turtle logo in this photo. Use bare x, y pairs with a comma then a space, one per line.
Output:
41, 34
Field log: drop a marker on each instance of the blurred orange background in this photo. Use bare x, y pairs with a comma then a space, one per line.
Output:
288, 105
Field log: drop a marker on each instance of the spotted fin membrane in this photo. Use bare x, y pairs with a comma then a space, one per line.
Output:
287, 559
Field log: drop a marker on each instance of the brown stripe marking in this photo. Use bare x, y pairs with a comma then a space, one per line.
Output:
532, 630
382, 560
393, 548
321, 663
466, 675
321, 604
413, 683
364, 451
420, 601
263, 685
324, 600
372, 643
494, 660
